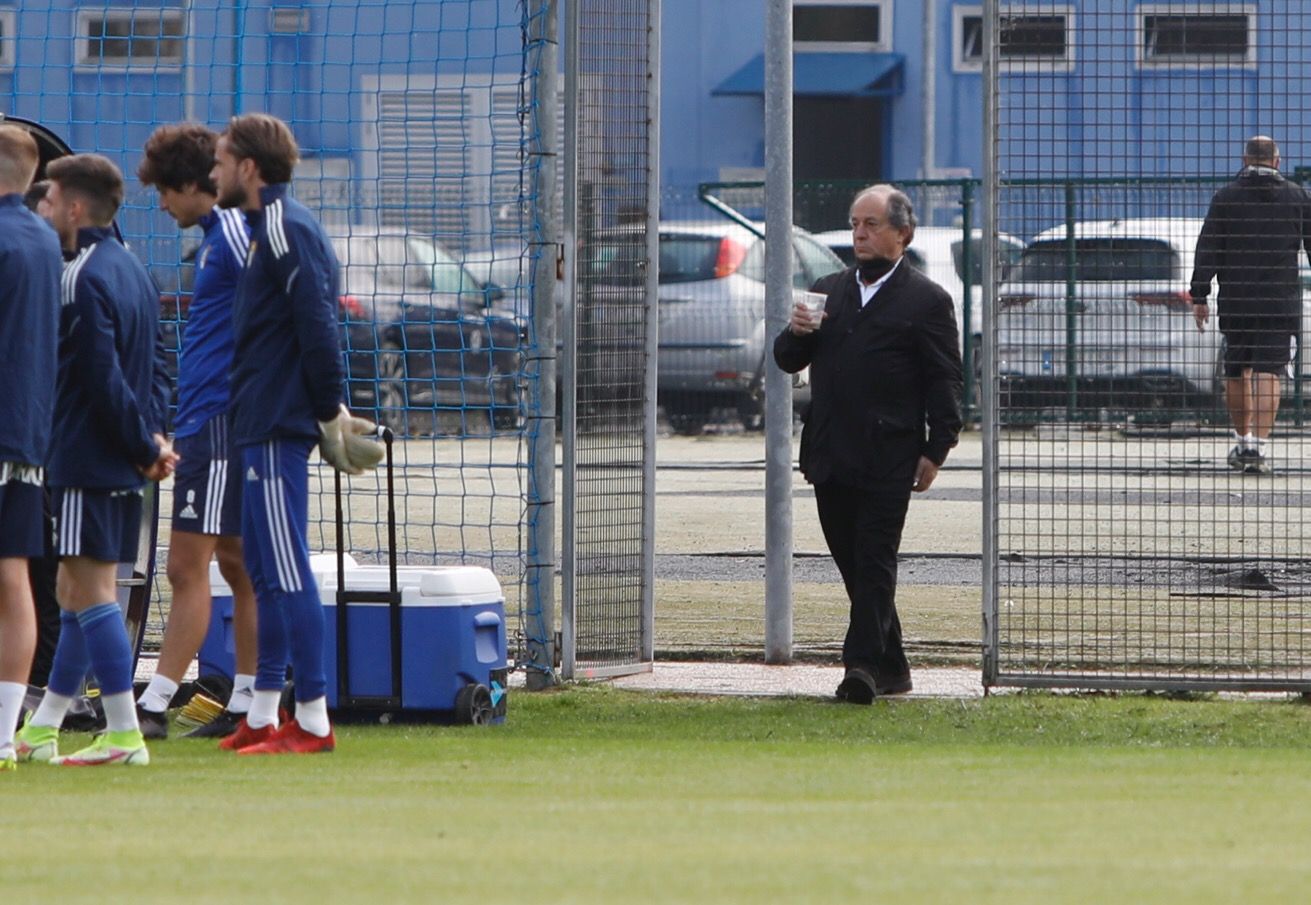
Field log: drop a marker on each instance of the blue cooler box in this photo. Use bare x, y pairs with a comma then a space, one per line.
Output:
453, 644
218, 652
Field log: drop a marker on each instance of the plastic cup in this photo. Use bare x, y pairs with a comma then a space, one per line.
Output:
814, 302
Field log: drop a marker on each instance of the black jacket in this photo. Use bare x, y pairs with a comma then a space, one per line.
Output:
885, 381
1255, 229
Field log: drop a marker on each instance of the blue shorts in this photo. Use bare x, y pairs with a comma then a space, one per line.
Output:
104, 525
207, 483
21, 517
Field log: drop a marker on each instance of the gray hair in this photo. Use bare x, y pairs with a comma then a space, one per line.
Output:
900, 212
1260, 149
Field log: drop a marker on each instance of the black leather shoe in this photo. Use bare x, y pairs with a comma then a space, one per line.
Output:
221, 726
153, 725
857, 687
894, 685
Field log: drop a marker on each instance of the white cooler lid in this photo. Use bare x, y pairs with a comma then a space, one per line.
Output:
422, 585
321, 564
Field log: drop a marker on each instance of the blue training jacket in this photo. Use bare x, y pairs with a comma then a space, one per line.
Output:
286, 368
113, 389
30, 263
205, 361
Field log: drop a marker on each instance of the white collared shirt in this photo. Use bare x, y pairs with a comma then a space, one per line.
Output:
868, 292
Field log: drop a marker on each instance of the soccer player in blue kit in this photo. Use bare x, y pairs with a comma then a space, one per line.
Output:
207, 487
107, 440
287, 388
30, 263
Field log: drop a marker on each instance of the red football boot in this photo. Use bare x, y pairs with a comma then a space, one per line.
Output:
291, 739
244, 737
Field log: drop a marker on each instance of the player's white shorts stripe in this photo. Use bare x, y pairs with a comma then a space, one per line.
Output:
277, 236
234, 231
70, 524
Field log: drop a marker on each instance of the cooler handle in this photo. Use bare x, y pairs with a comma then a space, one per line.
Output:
484, 620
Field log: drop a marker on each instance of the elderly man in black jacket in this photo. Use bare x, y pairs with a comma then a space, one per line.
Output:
885, 372
1254, 232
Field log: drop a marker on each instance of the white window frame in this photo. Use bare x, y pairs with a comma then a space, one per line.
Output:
1194, 61
83, 61
1014, 64
882, 45
9, 43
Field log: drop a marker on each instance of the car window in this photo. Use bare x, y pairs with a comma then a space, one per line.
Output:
688, 259
818, 260
916, 260
1097, 261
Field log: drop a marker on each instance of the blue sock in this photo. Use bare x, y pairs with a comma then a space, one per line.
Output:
106, 642
69, 667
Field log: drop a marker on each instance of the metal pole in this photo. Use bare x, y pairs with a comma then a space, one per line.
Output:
652, 328
569, 333
539, 615
990, 408
1071, 308
778, 304
928, 97
968, 352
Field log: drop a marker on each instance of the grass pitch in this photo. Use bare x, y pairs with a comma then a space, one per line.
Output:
596, 795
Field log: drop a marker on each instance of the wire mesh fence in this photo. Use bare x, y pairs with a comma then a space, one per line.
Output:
1147, 514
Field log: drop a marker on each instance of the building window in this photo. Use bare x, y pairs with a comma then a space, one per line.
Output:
1028, 39
8, 37
130, 38
842, 25
1171, 35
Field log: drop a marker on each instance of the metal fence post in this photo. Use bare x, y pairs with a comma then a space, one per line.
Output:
1071, 301
778, 303
968, 352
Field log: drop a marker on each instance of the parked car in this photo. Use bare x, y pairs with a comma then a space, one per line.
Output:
713, 350
939, 252
423, 345
1125, 339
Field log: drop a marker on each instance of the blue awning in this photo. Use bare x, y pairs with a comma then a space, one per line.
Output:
824, 74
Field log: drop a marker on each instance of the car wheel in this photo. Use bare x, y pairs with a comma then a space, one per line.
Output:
751, 412
391, 388
689, 421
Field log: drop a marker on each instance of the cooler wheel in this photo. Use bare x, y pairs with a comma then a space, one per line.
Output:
473, 705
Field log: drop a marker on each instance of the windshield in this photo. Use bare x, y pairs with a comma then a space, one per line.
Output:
1097, 261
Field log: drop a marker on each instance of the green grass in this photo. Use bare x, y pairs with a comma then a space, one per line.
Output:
596, 795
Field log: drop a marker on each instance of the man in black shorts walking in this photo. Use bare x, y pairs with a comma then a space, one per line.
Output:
1255, 229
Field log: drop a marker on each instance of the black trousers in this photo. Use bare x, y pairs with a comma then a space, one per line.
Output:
43, 571
863, 532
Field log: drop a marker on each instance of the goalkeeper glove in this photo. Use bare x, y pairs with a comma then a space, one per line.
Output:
343, 445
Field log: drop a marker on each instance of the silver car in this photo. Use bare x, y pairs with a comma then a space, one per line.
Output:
1106, 321
713, 350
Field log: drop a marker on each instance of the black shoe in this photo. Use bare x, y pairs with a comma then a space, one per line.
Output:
221, 726
857, 687
893, 685
153, 725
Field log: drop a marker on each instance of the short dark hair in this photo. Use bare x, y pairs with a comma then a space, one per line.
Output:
177, 156
266, 140
36, 193
18, 156
92, 178
1261, 148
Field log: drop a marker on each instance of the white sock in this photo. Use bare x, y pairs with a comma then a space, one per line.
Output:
313, 716
1249, 441
11, 708
264, 709
158, 694
120, 711
243, 692
52, 710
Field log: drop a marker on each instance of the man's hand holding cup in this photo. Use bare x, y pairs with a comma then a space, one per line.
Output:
808, 313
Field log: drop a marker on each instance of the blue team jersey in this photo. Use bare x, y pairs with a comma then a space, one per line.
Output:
286, 368
30, 263
112, 391
205, 362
